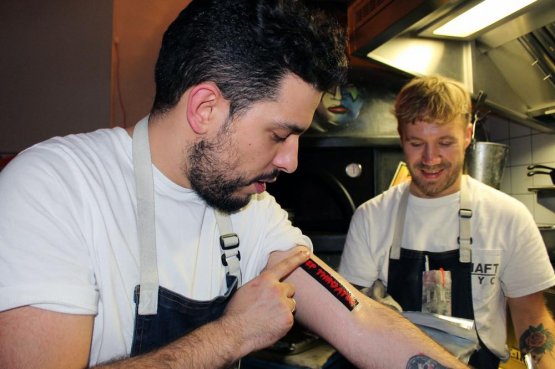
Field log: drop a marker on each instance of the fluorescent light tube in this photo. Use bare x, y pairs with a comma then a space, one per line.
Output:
480, 16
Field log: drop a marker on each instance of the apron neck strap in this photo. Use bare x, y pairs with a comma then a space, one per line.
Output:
395, 251
465, 214
465, 233
144, 183
229, 244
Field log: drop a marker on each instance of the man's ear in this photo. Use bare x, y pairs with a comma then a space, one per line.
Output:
201, 101
468, 135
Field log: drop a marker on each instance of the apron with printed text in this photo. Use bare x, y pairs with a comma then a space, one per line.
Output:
407, 266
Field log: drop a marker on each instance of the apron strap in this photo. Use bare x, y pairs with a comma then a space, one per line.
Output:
142, 164
229, 243
465, 235
144, 182
465, 232
395, 249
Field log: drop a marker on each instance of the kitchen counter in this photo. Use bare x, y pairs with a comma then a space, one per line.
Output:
299, 348
320, 356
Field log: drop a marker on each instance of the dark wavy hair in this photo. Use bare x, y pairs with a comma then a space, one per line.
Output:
246, 47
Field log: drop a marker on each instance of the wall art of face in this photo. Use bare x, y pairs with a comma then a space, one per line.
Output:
340, 106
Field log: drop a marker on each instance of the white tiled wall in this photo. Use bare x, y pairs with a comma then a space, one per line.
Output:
526, 146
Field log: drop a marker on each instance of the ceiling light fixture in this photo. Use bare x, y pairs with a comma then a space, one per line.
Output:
480, 16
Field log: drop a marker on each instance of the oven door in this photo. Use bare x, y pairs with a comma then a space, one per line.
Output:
329, 184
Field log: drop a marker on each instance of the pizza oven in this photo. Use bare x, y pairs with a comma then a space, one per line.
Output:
331, 181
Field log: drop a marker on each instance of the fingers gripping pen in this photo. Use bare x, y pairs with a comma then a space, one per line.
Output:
330, 283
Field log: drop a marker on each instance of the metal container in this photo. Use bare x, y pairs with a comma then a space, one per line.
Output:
485, 161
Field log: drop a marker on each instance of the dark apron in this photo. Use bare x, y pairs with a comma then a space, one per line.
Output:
161, 315
176, 316
404, 282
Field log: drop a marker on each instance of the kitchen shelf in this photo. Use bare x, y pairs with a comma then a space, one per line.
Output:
542, 189
546, 192
545, 195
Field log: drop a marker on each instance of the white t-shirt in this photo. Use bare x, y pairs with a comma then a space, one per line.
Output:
68, 235
509, 258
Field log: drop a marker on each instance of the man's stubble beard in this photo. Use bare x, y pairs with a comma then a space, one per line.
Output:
431, 190
210, 164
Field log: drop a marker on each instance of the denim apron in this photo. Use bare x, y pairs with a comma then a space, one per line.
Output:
162, 316
404, 282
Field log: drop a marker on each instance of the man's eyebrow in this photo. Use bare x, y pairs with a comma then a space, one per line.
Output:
412, 137
292, 127
448, 137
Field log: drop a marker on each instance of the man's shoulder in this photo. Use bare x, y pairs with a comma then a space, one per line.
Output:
486, 194
490, 203
68, 161
262, 212
60, 150
259, 203
82, 142
386, 199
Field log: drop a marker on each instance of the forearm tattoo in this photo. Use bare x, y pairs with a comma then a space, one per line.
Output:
423, 362
536, 341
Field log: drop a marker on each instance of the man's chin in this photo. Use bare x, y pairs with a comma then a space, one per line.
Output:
426, 188
230, 205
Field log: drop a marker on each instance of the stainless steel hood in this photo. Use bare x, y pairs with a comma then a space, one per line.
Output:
512, 62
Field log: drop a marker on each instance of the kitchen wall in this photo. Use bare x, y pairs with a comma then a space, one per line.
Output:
72, 66
55, 69
138, 26
526, 146
58, 79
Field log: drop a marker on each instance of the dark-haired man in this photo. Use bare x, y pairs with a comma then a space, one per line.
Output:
158, 246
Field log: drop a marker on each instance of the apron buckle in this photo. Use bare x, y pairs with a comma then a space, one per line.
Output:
229, 241
225, 257
465, 213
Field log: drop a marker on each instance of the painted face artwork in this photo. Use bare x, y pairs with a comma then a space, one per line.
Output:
340, 106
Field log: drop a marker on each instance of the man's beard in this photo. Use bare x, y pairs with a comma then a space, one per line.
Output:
211, 165
433, 189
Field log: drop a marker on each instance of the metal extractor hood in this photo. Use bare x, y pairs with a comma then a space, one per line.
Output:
512, 62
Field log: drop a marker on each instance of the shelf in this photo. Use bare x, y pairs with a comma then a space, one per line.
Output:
542, 189
545, 195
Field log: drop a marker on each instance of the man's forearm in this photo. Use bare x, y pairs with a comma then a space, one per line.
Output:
535, 328
538, 342
401, 343
369, 334
214, 345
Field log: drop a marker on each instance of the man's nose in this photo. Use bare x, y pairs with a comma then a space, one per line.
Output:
431, 155
286, 158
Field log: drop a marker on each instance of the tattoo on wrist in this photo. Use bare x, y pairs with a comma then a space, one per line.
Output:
536, 341
423, 362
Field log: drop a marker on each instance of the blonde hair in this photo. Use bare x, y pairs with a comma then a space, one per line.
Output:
433, 99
